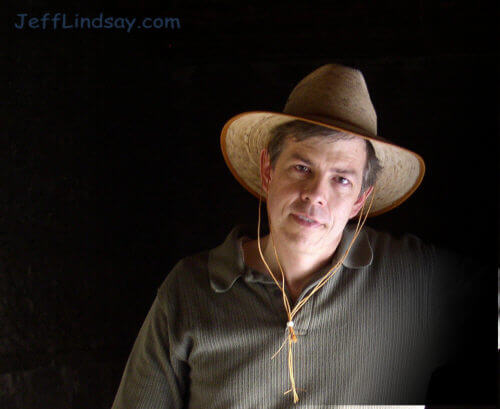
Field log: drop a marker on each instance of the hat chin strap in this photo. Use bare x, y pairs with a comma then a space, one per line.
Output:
290, 335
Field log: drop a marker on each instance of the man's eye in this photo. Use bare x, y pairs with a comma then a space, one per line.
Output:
342, 181
302, 168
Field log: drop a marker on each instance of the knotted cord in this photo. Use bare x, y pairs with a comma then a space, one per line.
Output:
291, 313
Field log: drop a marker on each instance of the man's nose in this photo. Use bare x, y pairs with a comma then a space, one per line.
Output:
314, 191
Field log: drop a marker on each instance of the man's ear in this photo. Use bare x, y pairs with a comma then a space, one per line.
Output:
265, 170
359, 202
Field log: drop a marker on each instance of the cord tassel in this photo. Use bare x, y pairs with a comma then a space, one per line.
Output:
291, 337
290, 368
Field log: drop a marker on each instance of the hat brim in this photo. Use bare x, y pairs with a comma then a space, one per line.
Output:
245, 135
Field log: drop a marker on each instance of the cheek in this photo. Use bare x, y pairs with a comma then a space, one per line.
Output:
340, 209
284, 192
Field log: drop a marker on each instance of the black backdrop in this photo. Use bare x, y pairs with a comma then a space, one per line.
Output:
111, 168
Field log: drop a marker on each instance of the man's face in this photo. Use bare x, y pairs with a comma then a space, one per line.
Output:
313, 190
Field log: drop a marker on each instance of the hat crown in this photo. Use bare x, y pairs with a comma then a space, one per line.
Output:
337, 95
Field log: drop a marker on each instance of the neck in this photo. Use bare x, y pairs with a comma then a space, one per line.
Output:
297, 265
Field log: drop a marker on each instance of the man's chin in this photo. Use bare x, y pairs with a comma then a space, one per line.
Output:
302, 239
306, 239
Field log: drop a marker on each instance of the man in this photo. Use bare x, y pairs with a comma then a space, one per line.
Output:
319, 311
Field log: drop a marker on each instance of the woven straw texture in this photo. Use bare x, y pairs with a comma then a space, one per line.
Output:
245, 135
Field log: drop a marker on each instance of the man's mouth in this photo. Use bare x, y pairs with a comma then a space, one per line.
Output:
305, 221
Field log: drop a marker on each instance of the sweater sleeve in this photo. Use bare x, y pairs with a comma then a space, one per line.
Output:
154, 377
464, 307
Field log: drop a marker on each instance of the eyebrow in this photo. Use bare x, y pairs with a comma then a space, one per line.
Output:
335, 170
295, 155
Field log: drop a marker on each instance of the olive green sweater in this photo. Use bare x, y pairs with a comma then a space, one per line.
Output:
372, 335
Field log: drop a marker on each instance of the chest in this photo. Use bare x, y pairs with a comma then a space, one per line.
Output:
354, 342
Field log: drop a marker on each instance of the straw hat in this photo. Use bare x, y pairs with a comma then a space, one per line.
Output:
336, 97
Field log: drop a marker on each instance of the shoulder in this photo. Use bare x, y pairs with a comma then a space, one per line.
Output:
199, 275
409, 252
188, 276
385, 244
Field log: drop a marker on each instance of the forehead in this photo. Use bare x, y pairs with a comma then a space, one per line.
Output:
320, 150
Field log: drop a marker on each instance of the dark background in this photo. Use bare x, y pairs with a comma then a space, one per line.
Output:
111, 171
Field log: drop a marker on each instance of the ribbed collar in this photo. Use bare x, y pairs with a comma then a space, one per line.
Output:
226, 262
